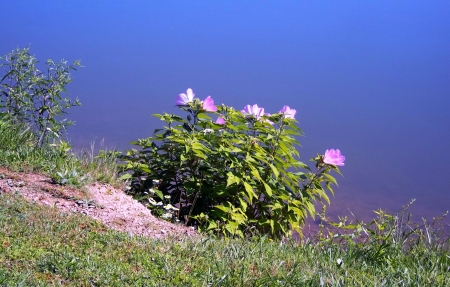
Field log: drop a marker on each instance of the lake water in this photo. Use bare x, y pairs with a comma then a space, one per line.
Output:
371, 79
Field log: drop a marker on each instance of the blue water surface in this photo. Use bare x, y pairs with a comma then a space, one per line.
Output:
371, 78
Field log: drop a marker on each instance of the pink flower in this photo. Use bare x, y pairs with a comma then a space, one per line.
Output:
288, 112
208, 105
184, 99
220, 121
333, 157
253, 111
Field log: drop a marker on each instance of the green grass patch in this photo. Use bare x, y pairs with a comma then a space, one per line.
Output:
19, 152
41, 247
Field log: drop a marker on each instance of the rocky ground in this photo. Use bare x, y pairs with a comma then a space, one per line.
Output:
102, 202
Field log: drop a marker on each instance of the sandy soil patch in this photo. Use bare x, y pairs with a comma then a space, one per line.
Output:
111, 206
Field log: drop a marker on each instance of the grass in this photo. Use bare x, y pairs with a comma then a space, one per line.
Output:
19, 152
40, 246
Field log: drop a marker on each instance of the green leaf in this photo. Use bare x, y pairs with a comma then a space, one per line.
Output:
300, 164
255, 173
212, 226
197, 146
222, 208
232, 227
200, 154
238, 217
231, 178
276, 206
250, 192
330, 178
321, 193
311, 209
203, 116
177, 118
274, 170
159, 193
243, 204
272, 223
268, 189
249, 159
144, 168
126, 176
235, 150
297, 211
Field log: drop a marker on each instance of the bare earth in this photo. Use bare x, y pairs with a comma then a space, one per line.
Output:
111, 206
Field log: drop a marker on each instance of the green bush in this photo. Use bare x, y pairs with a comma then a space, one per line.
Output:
239, 175
33, 97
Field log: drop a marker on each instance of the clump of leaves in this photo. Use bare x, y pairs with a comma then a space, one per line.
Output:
68, 177
239, 175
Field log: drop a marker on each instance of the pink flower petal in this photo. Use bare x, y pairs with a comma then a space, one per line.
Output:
288, 112
208, 105
253, 111
246, 110
220, 121
334, 157
184, 99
